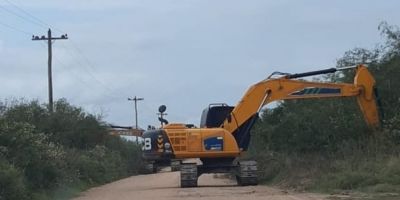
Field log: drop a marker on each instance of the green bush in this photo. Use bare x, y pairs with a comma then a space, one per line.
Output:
51, 153
40, 159
11, 182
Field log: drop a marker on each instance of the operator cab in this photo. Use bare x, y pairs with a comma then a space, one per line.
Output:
214, 115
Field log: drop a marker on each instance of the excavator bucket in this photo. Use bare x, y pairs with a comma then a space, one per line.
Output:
367, 99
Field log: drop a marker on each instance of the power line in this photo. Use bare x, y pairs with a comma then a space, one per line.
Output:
84, 66
40, 23
79, 53
77, 77
82, 54
22, 17
82, 81
14, 28
89, 63
35, 20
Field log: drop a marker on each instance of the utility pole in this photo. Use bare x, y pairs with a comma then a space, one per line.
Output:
136, 99
50, 39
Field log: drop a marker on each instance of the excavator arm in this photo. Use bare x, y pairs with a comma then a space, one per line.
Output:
287, 87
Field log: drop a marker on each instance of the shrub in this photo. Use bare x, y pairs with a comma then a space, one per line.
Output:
12, 186
56, 152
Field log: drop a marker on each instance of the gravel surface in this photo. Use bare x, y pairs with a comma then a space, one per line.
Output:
165, 186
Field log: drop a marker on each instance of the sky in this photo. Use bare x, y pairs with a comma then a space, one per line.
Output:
184, 54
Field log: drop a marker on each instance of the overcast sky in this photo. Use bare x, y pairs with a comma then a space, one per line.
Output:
181, 53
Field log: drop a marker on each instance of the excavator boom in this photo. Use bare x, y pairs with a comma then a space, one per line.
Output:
286, 87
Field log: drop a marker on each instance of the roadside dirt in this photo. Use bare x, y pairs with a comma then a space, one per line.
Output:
165, 185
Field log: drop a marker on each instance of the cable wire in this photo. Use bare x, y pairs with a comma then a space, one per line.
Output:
15, 29
21, 17
76, 75
36, 21
33, 19
85, 67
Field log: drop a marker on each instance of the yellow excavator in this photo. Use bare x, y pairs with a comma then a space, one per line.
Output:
224, 132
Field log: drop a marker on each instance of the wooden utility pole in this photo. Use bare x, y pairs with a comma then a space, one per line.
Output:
136, 99
50, 39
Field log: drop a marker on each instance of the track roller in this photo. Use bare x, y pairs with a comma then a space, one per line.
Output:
175, 165
150, 168
189, 175
247, 173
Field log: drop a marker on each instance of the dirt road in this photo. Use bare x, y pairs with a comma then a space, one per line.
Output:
165, 186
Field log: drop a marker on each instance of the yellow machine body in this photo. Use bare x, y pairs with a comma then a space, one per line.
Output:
222, 141
188, 142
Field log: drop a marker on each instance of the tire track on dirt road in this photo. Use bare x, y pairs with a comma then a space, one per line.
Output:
166, 186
